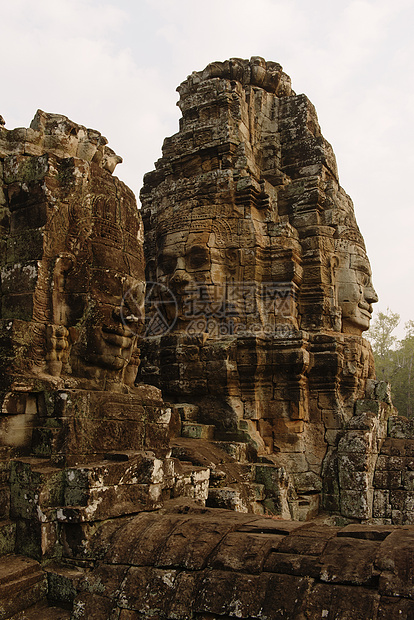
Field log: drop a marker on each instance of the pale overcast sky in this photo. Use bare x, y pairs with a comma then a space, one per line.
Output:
113, 65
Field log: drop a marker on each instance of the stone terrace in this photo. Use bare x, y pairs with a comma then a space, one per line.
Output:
219, 564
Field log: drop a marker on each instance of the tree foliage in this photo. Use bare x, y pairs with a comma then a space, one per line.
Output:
394, 359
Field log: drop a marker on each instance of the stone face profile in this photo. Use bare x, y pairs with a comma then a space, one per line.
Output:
354, 287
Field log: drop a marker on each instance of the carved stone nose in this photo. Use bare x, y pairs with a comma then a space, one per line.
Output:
180, 277
371, 295
116, 314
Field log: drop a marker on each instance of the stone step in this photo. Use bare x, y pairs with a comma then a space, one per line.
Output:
64, 583
191, 481
186, 411
240, 451
123, 468
229, 498
37, 485
305, 508
240, 497
232, 483
23, 584
228, 474
238, 436
126, 482
7, 537
112, 501
14, 567
185, 462
193, 430
42, 611
108, 421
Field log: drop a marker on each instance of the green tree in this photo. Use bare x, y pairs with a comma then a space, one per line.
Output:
402, 383
394, 359
383, 342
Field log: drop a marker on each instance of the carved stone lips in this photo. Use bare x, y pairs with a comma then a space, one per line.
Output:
366, 309
119, 337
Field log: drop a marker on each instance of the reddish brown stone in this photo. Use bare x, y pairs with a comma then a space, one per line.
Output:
191, 543
270, 526
22, 583
367, 532
273, 227
243, 552
105, 579
141, 540
396, 562
148, 590
92, 606
346, 560
285, 596
308, 540
97, 542
214, 594
245, 207
186, 588
231, 594
344, 602
126, 614
391, 608
293, 564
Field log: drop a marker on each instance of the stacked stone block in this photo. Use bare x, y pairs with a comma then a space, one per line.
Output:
394, 474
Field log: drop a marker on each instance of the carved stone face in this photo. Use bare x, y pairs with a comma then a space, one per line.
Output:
111, 264
75, 259
108, 335
98, 286
195, 271
355, 290
185, 258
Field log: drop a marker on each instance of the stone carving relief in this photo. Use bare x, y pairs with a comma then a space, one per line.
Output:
72, 292
353, 281
248, 228
85, 254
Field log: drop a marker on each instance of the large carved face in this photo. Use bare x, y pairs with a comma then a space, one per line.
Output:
112, 312
99, 287
355, 290
196, 271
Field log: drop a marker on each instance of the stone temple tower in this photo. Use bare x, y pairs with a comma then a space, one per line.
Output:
260, 271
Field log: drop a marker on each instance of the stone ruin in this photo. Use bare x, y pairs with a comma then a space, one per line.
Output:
247, 227
208, 439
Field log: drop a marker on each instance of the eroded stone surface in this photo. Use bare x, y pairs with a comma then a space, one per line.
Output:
72, 249
261, 272
86, 443
338, 572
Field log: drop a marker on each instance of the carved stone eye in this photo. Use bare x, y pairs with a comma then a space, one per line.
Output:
167, 264
198, 257
364, 279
